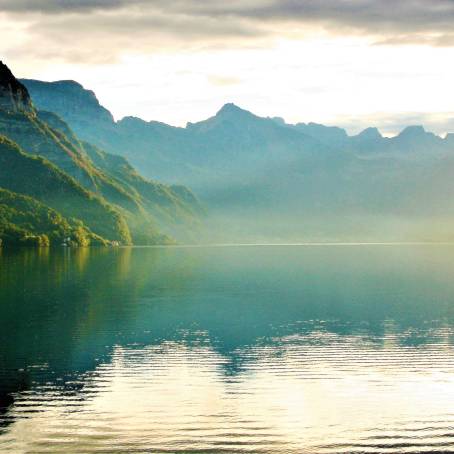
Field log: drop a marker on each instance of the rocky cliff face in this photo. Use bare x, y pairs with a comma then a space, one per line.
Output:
72, 102
14, 96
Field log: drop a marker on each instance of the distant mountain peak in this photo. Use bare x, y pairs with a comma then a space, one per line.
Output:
228, 107
14, 96
370, 134
413, 131
228, 114
231, 109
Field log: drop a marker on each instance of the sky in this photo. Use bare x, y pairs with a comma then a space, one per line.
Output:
351, 63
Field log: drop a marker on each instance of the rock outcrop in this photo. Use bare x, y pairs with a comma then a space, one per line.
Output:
14, 96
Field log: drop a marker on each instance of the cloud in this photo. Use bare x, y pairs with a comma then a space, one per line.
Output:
60, 6
87, 33
102, 30
223, 81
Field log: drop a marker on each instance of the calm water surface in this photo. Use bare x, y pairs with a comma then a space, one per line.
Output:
228, 350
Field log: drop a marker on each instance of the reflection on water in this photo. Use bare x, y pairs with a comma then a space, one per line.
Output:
224, 350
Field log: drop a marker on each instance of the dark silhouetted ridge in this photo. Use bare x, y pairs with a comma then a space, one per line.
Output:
14, 96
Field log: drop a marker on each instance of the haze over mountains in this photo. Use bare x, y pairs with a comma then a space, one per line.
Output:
57, 188
262, 178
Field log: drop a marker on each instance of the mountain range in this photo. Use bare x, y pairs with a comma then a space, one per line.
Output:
68, 175
57, 188
262, 178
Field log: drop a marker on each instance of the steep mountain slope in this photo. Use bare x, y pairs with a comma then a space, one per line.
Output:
173, 209
145, 218
38, 178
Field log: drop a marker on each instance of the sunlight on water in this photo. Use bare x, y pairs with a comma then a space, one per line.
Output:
224, 351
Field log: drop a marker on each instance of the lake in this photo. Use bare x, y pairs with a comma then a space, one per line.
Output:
266, 349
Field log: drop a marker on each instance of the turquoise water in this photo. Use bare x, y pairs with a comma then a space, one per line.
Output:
295, 349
